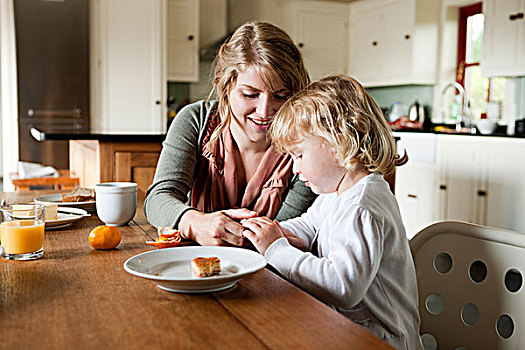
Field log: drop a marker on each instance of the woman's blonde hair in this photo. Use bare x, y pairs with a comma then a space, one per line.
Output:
338, 109
267, 48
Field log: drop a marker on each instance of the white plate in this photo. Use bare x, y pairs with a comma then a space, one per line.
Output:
65, 217
57, 199
170, 268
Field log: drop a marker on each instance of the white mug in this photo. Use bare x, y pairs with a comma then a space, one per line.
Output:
116, 202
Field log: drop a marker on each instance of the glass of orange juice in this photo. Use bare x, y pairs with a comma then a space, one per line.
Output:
22, 231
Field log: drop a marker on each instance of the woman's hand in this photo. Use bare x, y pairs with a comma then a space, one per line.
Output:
217, 228
262, 232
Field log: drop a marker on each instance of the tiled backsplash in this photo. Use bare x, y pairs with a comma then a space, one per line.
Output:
179, 91
406, 94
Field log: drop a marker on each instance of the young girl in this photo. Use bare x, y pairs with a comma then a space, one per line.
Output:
357, 257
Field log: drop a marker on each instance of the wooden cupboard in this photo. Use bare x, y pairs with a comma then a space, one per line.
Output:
96, 161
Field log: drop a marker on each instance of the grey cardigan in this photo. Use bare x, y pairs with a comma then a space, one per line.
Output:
167, 197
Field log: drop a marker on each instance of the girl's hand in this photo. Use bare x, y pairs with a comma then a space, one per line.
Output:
262, 232
217, 228
297, 242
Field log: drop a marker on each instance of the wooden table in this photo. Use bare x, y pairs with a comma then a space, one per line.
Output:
77, 297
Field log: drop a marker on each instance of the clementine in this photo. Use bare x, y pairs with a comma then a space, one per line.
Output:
104, 237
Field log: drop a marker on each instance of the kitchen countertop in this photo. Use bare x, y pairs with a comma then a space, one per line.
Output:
501, 131
41, 135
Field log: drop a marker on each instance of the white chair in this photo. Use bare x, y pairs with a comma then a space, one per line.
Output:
471, 290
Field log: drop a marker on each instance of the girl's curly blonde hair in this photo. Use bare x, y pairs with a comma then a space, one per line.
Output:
338, 109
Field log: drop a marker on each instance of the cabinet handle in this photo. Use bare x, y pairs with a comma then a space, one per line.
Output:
442, 187
374, 43
516, 16
157, 102
407, 36
482, 193
301, 45
190, 37
412, 195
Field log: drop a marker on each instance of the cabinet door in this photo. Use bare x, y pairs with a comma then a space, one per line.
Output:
381, 41
128, 80
506, 189
503, 38
393, 42
321, 33
138, 167
397, 39
183, 40
416, 181
463, 181
416, 195
366, 42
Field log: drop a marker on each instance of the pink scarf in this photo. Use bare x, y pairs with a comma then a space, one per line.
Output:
216, 185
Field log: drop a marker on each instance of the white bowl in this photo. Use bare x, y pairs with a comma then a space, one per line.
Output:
486, 126
116, 202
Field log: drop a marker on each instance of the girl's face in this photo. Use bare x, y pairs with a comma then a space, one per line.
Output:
314, 160
253, 105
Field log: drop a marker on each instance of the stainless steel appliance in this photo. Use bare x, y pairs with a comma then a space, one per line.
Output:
52, 39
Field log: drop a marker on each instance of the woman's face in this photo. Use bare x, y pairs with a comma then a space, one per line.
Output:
253, 105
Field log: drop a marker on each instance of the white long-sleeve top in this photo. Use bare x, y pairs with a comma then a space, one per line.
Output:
364, 267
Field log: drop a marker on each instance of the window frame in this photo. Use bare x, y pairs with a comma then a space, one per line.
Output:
461, 63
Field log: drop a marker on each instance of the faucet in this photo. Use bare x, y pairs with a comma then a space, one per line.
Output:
461, 116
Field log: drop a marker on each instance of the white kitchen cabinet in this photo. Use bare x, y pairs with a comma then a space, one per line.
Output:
417, 181
128, 84
503, 38
183, 40
321, 32
319, 28
462, 178
416, 195
505, 173
393, 42
474, 179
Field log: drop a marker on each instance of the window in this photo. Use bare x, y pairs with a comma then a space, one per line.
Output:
479, 91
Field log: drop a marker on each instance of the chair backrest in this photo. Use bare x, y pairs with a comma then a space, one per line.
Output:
470, 281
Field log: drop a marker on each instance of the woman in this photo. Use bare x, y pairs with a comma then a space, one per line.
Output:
217, 154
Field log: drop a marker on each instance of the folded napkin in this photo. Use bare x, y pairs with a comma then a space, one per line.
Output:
28, 170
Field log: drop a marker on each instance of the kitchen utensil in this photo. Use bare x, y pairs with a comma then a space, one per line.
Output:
397, 111
416, 113
486, 126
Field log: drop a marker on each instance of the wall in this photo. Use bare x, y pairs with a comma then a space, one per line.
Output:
406, 94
